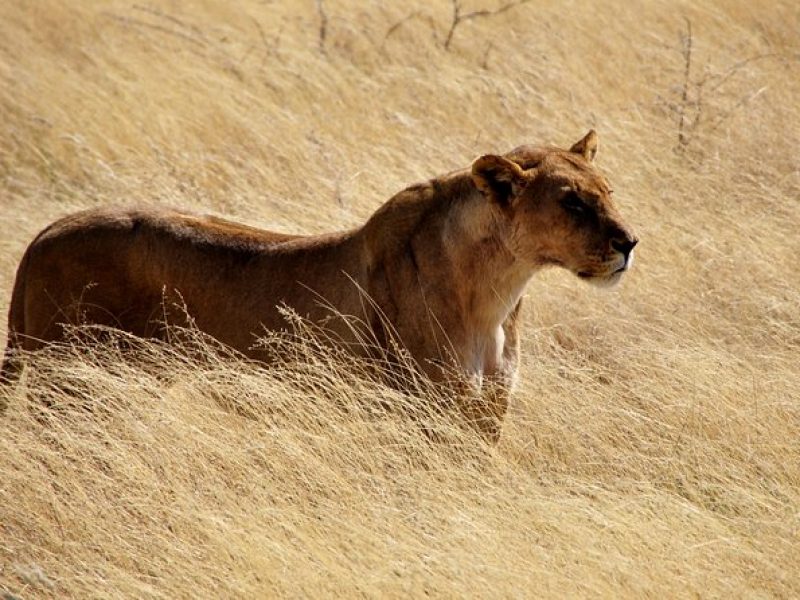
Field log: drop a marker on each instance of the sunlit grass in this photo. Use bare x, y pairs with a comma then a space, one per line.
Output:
652, 446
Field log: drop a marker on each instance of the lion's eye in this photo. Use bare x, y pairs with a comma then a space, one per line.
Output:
573, 203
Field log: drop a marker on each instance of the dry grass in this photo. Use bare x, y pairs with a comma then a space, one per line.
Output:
654, 445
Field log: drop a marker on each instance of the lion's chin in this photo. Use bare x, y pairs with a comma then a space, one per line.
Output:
602, 281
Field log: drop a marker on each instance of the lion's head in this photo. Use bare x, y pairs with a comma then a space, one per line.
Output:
558, 209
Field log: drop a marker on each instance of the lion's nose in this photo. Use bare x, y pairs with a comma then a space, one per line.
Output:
624, 245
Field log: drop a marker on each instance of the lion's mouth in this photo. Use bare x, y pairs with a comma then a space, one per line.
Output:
602, 279
625, 266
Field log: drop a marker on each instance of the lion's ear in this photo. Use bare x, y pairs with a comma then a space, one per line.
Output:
587, 147
497, 178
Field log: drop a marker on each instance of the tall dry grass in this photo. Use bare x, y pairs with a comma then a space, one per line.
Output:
653, 448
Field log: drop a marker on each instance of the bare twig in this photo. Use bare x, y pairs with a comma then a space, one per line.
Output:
160, 28
414, 15
694, 93
178, 28
742, 102
269, 49
698, 104
172, 19
323, 25
459, 18
453, 24
722, 78
687, 74
485, 61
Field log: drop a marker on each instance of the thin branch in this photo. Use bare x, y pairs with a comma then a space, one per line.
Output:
742, 102
734, 69
323, 25
687, 57
269, 49
485, 61
695, 93
172, 19
160, 28
453, 24
698, 105
414, 15
459, 18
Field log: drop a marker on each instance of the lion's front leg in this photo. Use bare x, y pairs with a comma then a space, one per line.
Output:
495, 397
496, 387
484, 400
488, 410
479, 403
481, 390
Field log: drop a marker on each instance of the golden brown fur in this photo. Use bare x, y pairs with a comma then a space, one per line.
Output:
443, 264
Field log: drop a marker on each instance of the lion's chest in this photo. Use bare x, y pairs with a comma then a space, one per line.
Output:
485, 357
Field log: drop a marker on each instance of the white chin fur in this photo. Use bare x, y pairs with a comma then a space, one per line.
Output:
629, 262
613, 279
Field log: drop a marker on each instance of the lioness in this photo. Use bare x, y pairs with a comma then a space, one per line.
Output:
442, 265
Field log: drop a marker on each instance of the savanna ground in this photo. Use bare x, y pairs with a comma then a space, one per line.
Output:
653, 448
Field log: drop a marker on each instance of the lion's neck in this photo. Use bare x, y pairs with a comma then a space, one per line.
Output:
489, 279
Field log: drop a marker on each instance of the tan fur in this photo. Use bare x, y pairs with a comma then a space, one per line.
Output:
444, 263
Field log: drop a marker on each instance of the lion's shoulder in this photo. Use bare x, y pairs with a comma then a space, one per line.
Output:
421, 204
